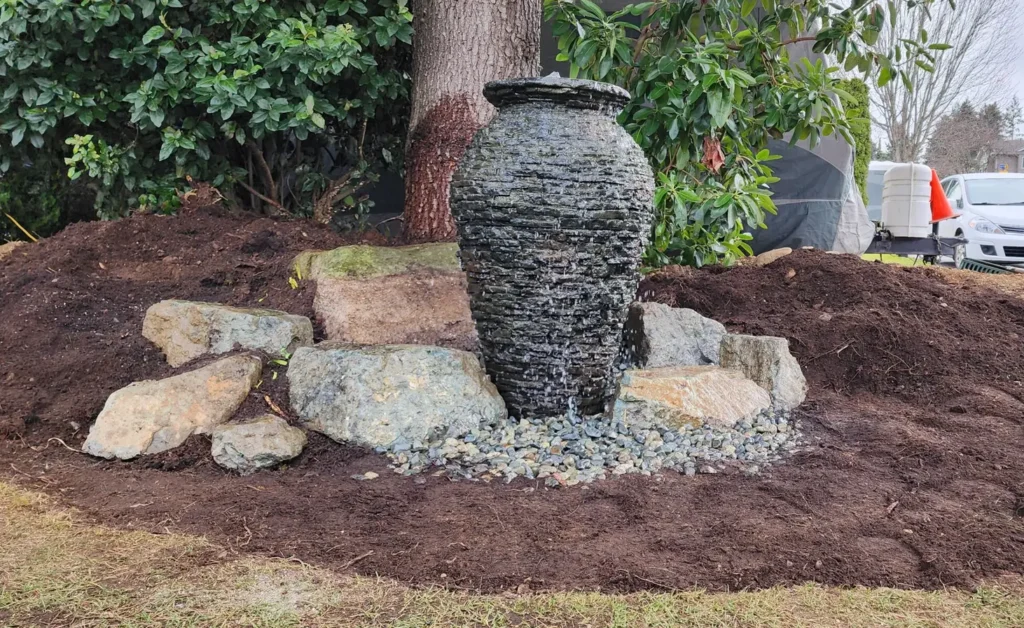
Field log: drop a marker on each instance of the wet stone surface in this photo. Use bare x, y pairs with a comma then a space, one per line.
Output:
565, 451
553, 206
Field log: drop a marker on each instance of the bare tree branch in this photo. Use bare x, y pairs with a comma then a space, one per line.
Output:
265, 172
277, 208
963, 140
980, 33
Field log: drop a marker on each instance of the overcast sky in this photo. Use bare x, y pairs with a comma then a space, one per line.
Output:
1012, 73
1014, 81
1017, 71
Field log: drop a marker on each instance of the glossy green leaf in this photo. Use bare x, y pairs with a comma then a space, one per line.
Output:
153, 34
18, 134
673, 129
719, 107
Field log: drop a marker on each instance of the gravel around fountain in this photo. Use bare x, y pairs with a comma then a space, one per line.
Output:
566, 451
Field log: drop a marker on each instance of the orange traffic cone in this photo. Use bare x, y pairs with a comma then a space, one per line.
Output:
940, 204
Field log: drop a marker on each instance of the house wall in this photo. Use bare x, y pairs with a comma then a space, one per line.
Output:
1004, 163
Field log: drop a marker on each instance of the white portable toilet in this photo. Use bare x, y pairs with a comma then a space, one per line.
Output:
906, 201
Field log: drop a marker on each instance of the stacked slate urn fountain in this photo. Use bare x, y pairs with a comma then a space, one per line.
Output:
553, 203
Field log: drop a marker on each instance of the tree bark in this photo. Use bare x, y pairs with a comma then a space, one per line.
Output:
459, 46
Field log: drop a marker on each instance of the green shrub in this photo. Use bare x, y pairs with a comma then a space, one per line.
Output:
289, 106
30, 202
859, 114
711, 82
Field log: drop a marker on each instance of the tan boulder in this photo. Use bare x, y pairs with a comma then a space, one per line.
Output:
185, 330
680, 396
364, 261
152, 416
766, 258
767, 361
391, 295
8, 248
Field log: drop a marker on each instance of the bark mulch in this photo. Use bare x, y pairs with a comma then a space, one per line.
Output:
913, 475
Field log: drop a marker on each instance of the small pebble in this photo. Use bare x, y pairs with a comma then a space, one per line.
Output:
568, 451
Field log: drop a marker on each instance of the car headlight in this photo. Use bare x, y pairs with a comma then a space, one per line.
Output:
984, 226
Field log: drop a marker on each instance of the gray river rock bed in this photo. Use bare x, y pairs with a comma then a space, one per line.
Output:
569, 451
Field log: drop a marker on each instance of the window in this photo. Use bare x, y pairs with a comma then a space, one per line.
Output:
954, 191
1004, 190
874, 186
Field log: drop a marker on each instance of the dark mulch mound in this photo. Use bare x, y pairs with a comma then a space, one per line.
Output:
864, 327
914, 476
72, 307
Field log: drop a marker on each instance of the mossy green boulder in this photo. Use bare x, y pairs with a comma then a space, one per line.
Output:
376, 295
364, 261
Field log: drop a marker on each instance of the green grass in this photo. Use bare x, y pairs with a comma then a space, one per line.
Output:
57, 570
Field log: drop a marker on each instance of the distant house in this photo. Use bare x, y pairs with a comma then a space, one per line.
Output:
1007, 156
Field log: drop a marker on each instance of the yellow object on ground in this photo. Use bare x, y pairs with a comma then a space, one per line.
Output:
893, 259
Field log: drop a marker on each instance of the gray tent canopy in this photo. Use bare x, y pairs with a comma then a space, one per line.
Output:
819, 203
818, 200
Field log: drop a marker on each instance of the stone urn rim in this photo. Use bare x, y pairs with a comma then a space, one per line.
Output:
574, 93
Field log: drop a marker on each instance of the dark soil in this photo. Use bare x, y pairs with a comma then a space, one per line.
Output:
72, 306
860, 326
913, 477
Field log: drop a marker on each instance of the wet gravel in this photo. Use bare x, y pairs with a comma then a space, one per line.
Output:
565, 451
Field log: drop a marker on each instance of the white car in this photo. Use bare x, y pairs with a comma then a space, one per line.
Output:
991, 208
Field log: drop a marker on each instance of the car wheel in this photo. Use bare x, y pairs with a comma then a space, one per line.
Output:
959, 254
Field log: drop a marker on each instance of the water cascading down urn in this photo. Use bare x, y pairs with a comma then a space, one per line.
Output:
553, 204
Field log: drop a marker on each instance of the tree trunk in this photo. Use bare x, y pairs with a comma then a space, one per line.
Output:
459, 46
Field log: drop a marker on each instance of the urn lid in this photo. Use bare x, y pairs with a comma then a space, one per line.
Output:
576, 93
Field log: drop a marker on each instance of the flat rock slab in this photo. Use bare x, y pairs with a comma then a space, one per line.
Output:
767, 361
391, 295
767, 257
8, 248
676, 397
377, 395
152, 416
658, 335
186, 330
261, 443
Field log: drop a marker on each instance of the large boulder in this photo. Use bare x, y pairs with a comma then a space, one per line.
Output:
186, 330
658, 335
377, 395
680, 396
391, 295
263, 442
767, 361
149, 417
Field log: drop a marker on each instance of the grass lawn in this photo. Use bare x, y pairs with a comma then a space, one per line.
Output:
893, 259
56, 570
